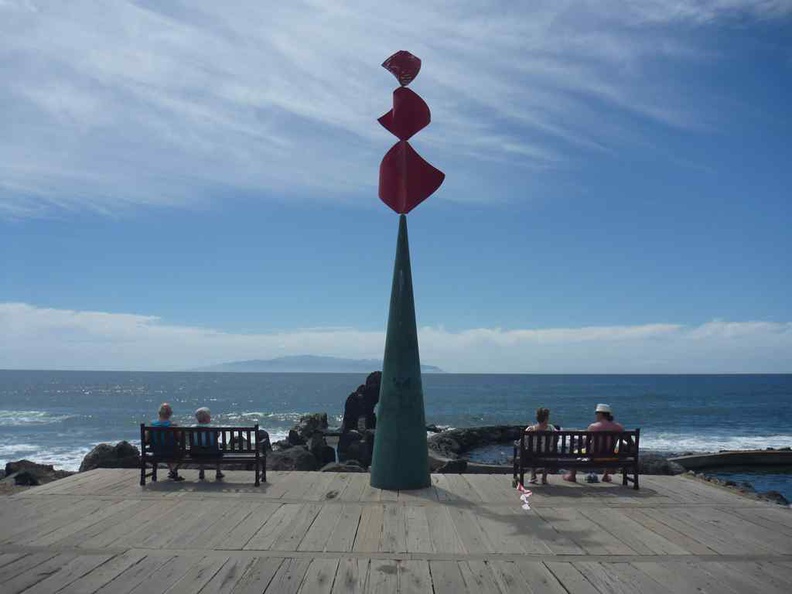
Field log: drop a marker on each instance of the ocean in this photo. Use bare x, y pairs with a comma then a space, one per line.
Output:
56, 417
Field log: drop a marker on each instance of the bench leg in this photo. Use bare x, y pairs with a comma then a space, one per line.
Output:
624, 476
264, 470
143, 473
258, 469
635, 479
154, 473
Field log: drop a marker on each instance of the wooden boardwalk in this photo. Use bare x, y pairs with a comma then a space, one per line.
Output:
324, 532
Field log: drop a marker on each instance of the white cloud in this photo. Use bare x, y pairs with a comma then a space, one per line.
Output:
42, 338
107, 105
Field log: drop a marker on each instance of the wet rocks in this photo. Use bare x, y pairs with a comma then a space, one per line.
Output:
27, 473
453, 467
657, 464
294, 458
349, 466
455, 442
105, 455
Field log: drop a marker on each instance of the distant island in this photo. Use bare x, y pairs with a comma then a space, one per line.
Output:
306, 364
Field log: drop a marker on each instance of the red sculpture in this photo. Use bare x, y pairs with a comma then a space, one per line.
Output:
406, 179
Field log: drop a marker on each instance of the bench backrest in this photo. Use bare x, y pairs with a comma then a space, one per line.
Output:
178, 441
575, 444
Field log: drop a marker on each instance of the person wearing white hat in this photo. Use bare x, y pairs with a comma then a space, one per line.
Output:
604, 422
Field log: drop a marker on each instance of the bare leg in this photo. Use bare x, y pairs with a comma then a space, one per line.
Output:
571, 476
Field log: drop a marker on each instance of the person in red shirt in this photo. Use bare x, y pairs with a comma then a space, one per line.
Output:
604, 422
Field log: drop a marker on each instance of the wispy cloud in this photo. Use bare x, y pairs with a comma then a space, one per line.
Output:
42, 338
106, 105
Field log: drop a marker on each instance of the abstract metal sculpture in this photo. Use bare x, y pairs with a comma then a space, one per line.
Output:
400, 458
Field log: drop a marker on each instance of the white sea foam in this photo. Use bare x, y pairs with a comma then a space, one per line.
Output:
16, 418
686, 442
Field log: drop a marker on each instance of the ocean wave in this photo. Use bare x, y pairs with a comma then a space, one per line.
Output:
686, 442
17, 418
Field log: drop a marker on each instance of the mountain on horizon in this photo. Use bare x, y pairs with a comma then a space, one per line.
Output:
306, 364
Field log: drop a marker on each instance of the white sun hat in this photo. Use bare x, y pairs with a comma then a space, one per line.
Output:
603, 408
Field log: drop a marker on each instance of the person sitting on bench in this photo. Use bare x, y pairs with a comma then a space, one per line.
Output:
542, 424
205, 445
604, 422
165, 444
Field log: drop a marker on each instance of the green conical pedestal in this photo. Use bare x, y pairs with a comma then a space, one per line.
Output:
400, 459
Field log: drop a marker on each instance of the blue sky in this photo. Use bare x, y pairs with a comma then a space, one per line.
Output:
188, 183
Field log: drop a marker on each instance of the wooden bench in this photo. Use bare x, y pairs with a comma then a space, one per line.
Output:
585, 450
205, 446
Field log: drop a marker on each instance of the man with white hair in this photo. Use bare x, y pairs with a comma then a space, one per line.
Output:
604, 422
207, 442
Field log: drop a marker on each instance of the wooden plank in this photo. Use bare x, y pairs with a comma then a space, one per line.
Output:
111, 510
414, 577
32, 575
573, 581
417, 535
478, 577
775, 541
343, 535
224, 581
239, 529
258, 576
216, 526
136, 574
747, 577
394, 537
351, 576
619, 578
669, 518
540, 579
688, 544
7, 558
499, 525
370, 529
23, 564
780, 572
68, 573
631, 533
167, 575
137, 525
751, 515
684, 578
446, 577
442, 531
319, 532
103, 574
290, 538
276, 524
198, 575
81, 536
473, 538
510, 579
383, 577
536, 535
442, 487
358, 483
289, 576
319, 577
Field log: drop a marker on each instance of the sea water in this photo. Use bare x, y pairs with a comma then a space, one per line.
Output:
56, 417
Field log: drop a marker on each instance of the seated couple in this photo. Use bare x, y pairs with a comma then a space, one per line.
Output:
206, 445
604, 422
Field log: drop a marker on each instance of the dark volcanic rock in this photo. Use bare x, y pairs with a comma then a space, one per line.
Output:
455, 442
453, 467
121, 455
25, 472
295, 458
359, 405
323, 453
350, 466
657, 464
308, 425
295, 438
775, 497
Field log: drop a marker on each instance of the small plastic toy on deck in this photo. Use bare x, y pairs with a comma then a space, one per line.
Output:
400, 457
